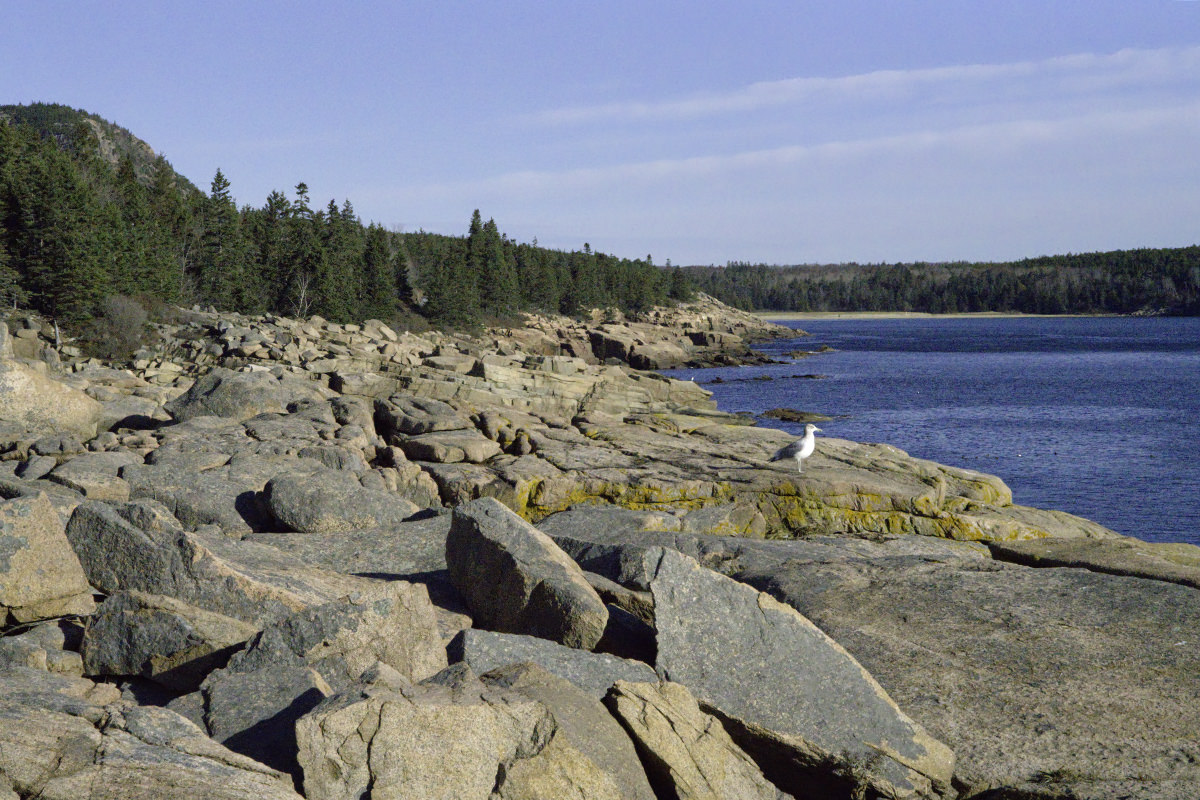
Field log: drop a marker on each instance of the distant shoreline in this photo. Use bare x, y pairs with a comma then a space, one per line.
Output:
775, 316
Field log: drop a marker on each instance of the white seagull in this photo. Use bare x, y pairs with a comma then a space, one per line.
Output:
799, 449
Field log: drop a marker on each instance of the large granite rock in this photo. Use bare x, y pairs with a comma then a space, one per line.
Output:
451, 737
979, 652
582, 722
32, 402
412, 549
391, 622
1174, 562
213, 489
690, 463
1041, 680
252, 705
96, 475
687, 753
413, 416
516, 580
160, 638
449, 447
66, 739
140, 546
485, 651
331, 501
51, 646
254, 713
40, 575
793, 697
241, 395
622, 544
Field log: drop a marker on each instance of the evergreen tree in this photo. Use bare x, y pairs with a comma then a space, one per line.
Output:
377, 281
12, 294
223, 251
172, 237
679, 286
53, 229
304, 259
137, 268
267, 231
452, 297
497, 276
585, 290
338, 280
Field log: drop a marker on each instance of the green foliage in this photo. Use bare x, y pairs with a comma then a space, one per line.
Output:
488, 275
77, 132
223, 252
382, 283
53, 226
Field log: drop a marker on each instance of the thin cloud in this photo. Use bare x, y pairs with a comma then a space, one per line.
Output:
1082, 73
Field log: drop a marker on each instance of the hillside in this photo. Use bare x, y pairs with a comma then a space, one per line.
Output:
112, 142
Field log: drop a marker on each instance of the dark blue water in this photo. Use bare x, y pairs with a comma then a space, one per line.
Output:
1096, 416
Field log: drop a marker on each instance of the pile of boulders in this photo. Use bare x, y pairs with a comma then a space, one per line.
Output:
233, 669
290, 567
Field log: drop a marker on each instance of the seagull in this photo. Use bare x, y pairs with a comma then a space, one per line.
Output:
799, 449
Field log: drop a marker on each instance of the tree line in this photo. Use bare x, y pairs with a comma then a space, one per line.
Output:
1118, 282
86, 215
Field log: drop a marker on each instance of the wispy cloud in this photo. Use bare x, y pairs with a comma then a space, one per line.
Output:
1000, 138
984, 160
1074, 74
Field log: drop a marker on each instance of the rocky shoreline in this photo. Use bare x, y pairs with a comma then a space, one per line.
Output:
291, 558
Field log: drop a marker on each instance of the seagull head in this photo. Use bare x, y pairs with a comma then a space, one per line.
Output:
810, 429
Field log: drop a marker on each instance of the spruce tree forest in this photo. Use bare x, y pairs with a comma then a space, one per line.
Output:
88, 213
1154, 281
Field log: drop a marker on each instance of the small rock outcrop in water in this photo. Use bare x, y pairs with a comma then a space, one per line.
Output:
792, 415
308, 541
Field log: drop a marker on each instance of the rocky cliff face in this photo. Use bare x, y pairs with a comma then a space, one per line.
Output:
262, 506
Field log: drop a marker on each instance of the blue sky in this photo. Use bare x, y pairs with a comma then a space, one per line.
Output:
781, 132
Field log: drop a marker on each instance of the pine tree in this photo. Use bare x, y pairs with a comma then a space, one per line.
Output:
337, 281
53, 229
223, 252
378, 291
267, 231
452, 298
304, 257
12, 294
136, 267
497, 275
172, 238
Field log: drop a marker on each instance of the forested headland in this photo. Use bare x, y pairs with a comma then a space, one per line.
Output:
1146, 281
89, 212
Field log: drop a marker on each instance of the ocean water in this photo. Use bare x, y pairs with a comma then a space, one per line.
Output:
1096, 416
